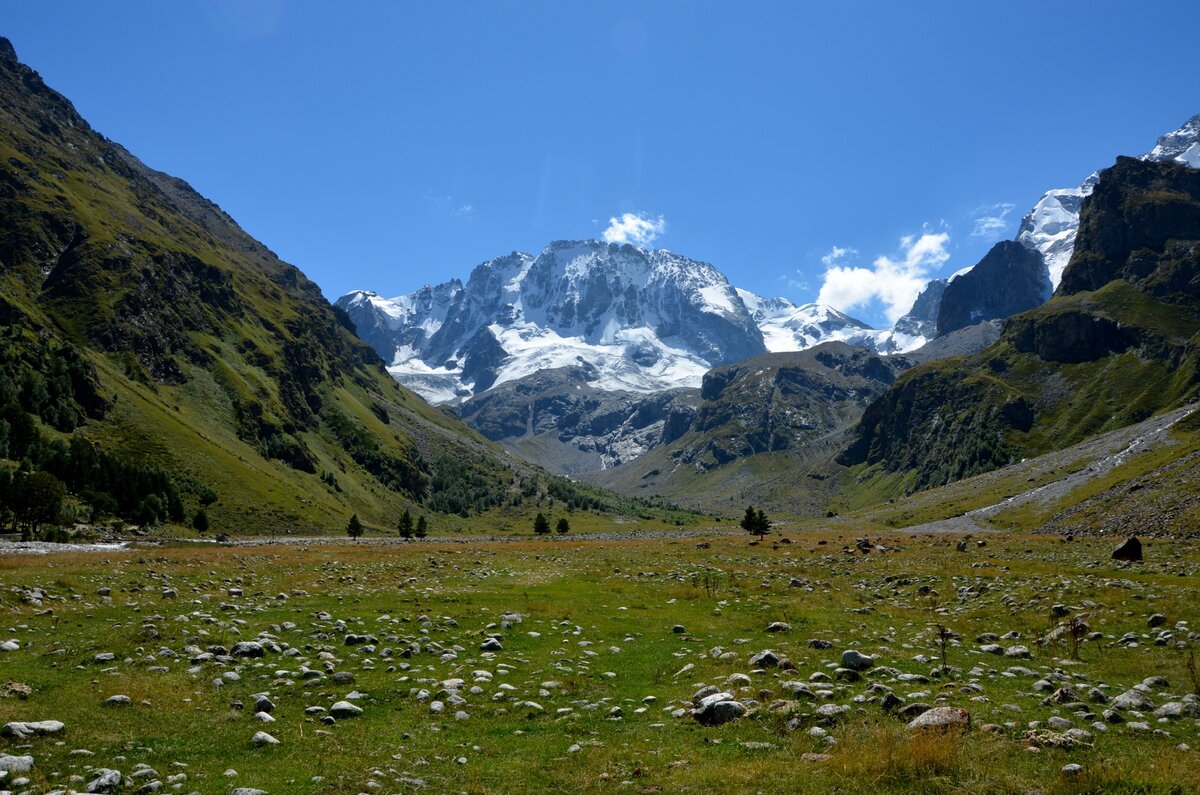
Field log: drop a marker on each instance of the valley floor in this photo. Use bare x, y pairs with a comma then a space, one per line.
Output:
565, 665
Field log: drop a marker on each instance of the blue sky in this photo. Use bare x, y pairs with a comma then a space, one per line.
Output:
392, 144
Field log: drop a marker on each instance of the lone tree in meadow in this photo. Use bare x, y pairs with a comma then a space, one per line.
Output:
541, 525
406, 524
563, 527
756, 522
200, 521
355, 528
422, 527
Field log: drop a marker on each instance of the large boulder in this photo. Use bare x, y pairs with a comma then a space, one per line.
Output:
1130, 549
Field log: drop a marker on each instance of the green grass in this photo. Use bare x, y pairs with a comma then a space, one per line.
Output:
623, 595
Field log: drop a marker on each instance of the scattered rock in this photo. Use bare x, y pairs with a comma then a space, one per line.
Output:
717, 709
857, 661
15, 764
18, 730
942, 719
248, 648
261, 739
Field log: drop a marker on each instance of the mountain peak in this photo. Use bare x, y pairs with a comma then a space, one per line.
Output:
7, 51
1050, 227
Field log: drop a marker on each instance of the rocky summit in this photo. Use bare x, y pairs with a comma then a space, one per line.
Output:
634, 319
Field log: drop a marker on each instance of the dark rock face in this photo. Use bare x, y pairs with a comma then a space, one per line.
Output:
783, 400
482, 355
1141, 224
568, 426
1074, 335
1009, 279
921, 320
1130, 549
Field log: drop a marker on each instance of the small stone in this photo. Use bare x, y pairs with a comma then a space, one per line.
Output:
105, 781
117, 701
779, 626
261, 739
344, 709
1072, 770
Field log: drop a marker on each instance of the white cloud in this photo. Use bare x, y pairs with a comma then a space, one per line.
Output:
836, 255
641, 230
466, 209
992, 222
894, 281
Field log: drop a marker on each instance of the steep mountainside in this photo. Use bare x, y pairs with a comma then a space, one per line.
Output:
136, 314
761, 428
557, 418
1009, 279
1117, 344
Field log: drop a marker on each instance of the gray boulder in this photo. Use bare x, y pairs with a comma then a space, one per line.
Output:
857, 661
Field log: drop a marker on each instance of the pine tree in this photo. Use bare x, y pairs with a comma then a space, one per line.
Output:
762, 525
750, 520
200, 521
355, 528
541, 525
406, 524
422, 527
563, 527
756, 522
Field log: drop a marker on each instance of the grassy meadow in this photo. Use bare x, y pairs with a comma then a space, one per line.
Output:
603, 645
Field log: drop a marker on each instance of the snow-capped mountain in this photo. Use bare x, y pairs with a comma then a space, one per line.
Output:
636, 319
1051, 225
787, 327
